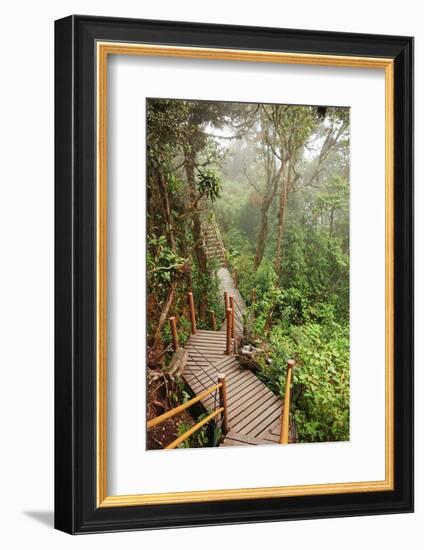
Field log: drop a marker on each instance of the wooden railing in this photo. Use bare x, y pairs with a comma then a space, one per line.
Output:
285, 417
222, 409
220, 241
229, 305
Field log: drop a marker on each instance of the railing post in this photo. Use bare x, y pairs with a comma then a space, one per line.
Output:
174, 333
226, 302
192, 313
213, 319
229, 340
235, 277
224, 402
284, 433
232, 316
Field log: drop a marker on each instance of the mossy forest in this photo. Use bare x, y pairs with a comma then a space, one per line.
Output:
255, 196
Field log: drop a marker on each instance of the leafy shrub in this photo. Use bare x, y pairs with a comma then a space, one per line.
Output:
321, 378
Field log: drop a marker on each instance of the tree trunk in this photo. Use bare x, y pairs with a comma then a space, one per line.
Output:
199, 248
272, 185
263, 231
164, 315
166, 210
280, 226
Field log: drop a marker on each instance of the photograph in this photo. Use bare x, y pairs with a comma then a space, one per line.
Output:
234, 268
247, 269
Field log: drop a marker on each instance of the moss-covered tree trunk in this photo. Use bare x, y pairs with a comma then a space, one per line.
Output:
282, 207
199, 246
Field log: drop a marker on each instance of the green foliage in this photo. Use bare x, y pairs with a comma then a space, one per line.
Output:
184, 331
321, 378
177, 393
199, 438
317, 338
206, 289
162, 262
208, 184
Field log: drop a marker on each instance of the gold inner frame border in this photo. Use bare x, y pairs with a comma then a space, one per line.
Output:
103, 50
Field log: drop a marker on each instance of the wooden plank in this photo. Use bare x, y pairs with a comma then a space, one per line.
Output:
236, 439
251, 409
211, 367
237, 380
207, 358
229, 370
206, 345
202, 368
258, 412
200, 361
271, 438
234, 378
246, 392
206, 342
204, 335
244, 404
240, 384
264, 425
225, 359
198, 381
201, 358
247, 382
206, 351
196, 368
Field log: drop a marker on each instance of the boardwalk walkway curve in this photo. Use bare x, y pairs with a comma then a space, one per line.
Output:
254, 412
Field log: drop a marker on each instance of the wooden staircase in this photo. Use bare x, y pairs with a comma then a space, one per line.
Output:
254, 412
213, 241
249, 412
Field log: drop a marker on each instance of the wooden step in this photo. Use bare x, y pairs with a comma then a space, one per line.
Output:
234, 439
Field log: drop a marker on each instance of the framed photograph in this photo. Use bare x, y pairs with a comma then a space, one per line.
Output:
234, 269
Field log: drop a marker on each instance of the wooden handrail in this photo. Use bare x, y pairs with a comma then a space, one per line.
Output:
284, 433
174, 333
213, 319
223, 402
176, 410
233, 310
219, 237
229, 332
193, 429
192, 313
226, 301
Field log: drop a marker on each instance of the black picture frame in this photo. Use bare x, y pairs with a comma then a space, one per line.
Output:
76, 510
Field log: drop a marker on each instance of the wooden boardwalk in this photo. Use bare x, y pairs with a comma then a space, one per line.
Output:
254, 412
226, 284
250, 413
